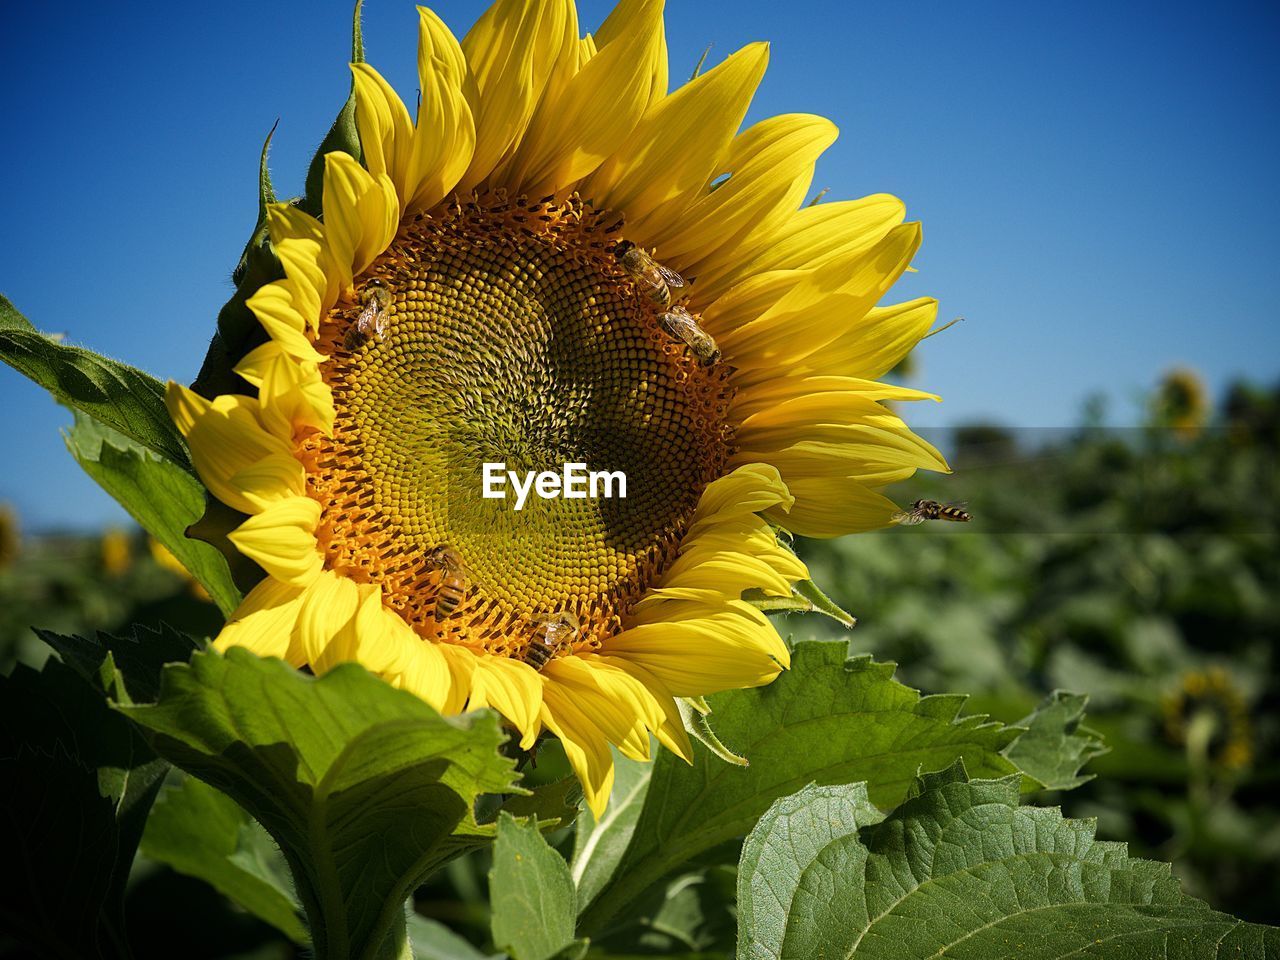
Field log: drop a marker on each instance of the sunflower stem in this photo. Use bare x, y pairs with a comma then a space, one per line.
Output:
395, 945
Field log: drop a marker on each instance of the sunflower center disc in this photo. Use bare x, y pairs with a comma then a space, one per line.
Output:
512, 335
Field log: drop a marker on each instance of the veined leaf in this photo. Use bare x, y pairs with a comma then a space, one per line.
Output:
116, 394
531, 895
362, 786
205, 834
960, 870
1055, 747
76, 782
826, 720
163, 498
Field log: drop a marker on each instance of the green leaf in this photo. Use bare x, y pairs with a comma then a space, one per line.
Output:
126, 668
827, 720
434, 941
205, 834
785, 841
76, 782
806, 597
551, 805
691, 912
120, 396
599, 846
960, 870
165, 500
362, 786
1054, 746
531, 895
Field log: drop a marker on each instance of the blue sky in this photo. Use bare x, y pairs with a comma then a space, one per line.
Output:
1092, 178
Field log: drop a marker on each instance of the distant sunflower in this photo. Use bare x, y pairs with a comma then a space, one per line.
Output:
462, 301
1182, 402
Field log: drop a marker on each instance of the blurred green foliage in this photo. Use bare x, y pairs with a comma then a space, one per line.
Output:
1138, 566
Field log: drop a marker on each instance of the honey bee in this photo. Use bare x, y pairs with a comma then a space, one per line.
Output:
923, 510
657, 281
453, 585
680, 323
375, 301
558, 629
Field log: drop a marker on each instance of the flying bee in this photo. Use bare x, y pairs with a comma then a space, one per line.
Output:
923, 510
657, 281
453, 585
375, 300
558, 629
679, 322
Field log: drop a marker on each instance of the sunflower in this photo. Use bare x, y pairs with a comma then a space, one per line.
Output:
461, 300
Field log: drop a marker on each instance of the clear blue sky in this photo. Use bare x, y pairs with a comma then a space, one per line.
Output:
1092, 179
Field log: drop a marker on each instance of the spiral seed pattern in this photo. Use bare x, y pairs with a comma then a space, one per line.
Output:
512, 335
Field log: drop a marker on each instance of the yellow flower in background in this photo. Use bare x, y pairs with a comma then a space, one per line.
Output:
116, 551
10, 538
1208, 714
166, 560
463, 300
1182, 402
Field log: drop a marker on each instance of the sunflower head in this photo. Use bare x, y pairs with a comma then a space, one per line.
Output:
1182, 402
559, 266
116, 552
1208, 712
10, 538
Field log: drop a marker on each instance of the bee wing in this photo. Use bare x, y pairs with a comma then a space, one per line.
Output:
367, 318
679, 321
670, 277
908, 517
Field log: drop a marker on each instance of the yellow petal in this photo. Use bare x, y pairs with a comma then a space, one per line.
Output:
328, 605
671, 732
833, 506
584, 746
386, 133
272, 478
360, 215
839, 425
299, 241
769, 169
626, 18
426, 673
444, 136
750, 488
226, 437
758, 397
264, 621
511, 52
460, 662
735, 622
675, 150
809, 238
877, 343
281, 539
512, 688
573, 132
275, 307
292, 395
693, 661
818, 309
